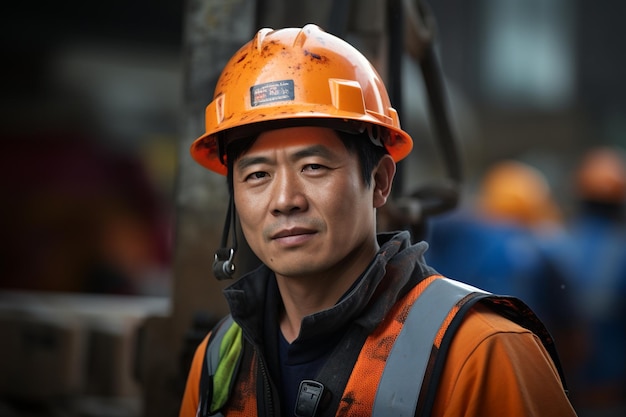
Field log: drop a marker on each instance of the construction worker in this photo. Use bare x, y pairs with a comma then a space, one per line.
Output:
338, 320
505, 223
592, 258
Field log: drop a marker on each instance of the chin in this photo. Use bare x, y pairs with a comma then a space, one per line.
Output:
295, 271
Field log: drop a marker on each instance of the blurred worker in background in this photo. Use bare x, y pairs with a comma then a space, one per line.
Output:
593, 261
496, 242
340, 320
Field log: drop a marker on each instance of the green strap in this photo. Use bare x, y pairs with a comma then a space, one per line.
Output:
230, 345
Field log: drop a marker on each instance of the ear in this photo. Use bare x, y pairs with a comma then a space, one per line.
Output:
383, 179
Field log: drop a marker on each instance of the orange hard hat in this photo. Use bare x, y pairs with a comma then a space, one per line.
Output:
601, 176
297, 76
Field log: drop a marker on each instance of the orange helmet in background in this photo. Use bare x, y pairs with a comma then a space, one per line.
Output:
601, 176
292, 77
515, 191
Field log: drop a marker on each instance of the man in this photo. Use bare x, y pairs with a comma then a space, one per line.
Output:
591, 256
338, 320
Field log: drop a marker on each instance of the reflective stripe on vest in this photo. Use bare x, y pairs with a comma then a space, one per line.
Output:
212, 359
401, 381
213, 355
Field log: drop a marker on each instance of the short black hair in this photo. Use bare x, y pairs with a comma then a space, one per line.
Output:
368, 153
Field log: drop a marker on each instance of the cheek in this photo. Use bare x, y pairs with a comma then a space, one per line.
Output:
245, 206
346, 201
250, 227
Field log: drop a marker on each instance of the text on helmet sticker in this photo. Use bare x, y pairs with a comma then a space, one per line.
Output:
271, 92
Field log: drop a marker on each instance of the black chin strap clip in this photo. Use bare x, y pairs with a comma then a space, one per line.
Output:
223, 264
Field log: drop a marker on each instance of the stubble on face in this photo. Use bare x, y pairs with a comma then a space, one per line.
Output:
303, 205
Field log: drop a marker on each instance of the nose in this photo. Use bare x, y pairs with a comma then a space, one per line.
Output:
288, 193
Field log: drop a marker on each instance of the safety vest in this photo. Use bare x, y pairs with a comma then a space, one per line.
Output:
390, 363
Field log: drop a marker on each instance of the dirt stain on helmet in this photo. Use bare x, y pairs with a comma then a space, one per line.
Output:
315, 56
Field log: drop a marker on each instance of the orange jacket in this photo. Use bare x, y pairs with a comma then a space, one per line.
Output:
494, 368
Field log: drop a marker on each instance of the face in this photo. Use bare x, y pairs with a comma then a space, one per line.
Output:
303, 206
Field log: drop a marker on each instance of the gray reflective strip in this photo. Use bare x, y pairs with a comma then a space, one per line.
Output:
402, 378
213, 357
213, 350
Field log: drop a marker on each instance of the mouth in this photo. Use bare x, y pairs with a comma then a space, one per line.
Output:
292, 233
293, 237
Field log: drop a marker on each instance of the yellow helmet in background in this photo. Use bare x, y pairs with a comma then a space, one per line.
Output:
297, 76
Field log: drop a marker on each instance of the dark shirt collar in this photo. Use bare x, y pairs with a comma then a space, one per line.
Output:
254, 299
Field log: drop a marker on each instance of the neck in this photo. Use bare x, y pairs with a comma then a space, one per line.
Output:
304, 296
301, 299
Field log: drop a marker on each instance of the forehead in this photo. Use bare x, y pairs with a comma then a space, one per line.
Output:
296, 137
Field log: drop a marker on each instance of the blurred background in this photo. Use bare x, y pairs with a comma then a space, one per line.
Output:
109, 228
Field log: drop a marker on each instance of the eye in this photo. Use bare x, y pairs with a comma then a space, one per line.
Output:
256, 176
313, 167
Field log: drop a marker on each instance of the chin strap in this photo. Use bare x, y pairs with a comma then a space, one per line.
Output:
223, 265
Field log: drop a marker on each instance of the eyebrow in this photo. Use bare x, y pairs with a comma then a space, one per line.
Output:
314, 150
244, 162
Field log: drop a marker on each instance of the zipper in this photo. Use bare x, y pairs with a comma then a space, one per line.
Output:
268, 403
